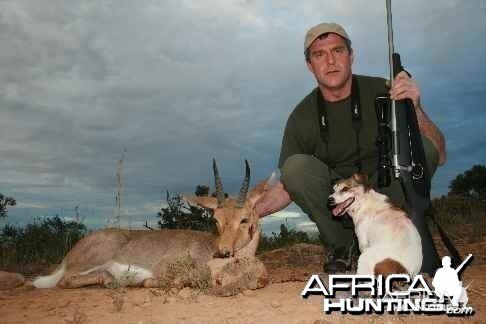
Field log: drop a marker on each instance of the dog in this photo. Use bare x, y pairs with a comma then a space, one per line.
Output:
388, 240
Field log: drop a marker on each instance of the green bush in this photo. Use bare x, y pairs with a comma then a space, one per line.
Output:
46, 241
180, 215
286, 237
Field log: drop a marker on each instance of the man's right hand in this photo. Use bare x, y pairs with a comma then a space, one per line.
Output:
274, 200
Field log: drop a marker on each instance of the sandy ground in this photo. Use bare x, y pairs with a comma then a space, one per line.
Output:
280, 302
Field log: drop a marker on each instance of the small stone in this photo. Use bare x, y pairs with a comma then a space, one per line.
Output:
137, 300
156, 292
276, 304
249, 293
170, 300
185, 293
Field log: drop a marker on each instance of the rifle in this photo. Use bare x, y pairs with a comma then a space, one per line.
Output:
397, 119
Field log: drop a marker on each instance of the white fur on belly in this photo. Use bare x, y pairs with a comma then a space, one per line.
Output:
129, 273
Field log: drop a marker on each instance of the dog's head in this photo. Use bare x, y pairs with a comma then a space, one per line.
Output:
347, 192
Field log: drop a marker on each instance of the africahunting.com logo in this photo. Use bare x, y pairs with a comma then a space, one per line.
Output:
370, 294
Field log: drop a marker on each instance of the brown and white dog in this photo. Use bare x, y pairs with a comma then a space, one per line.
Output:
388, 240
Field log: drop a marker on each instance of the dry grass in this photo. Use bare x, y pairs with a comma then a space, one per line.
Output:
186, 272
456, 213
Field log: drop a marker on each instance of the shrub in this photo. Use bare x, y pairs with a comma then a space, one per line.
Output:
46, 241
286, 237
179, 215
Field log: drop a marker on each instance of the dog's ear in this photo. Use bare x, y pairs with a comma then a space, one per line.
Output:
362, 179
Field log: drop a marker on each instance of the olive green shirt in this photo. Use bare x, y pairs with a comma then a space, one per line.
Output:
302, 132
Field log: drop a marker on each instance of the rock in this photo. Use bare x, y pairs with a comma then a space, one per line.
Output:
170, 300
185, 293
10, 280
140, 300
249, 293
276, 304
156, 292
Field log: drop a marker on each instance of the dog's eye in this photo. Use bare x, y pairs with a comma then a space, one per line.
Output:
345, 189
244, 221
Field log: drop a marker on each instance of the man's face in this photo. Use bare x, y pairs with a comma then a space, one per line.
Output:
330, 61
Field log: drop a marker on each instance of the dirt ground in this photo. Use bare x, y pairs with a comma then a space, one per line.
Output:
280, 302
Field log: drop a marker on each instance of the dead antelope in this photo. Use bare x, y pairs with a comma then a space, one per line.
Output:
142, 257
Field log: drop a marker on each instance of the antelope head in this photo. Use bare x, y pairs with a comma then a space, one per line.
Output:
236, 219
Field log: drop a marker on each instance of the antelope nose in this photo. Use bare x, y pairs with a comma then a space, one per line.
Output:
224, 253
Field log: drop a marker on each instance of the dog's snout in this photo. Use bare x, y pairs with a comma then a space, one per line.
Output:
331, 201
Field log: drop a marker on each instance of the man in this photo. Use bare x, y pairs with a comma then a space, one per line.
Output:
318, 148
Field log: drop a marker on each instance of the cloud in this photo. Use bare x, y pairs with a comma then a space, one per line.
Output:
27, 205
281, 215
309, 227
176, 83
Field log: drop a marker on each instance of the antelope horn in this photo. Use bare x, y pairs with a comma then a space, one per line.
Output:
244, 187
218, 185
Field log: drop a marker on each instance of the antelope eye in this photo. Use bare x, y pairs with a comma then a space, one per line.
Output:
244, 221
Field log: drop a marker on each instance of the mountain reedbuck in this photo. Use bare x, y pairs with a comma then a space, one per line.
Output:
145, 258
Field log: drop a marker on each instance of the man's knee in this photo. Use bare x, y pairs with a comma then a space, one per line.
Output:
298, 170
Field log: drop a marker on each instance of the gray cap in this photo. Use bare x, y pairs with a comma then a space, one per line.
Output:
323, 28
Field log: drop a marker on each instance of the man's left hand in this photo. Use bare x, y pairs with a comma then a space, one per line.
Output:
405, 87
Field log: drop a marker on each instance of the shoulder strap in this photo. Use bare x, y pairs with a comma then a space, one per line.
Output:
355, 113
322, 116
356, 116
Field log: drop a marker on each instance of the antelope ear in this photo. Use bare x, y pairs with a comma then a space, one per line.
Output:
206, 202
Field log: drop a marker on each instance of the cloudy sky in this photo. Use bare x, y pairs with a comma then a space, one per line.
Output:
175, 83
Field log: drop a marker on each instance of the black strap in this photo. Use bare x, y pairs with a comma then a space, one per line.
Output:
356, 120
356, 116
455, 256
420, 172
322, 114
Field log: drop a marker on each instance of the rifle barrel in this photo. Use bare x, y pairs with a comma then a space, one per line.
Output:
391, 50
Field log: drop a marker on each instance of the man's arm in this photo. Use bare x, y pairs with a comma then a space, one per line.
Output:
406, 88
432, 132
274, 200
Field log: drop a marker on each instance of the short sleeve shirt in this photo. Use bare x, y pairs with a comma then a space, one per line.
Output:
302, 131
